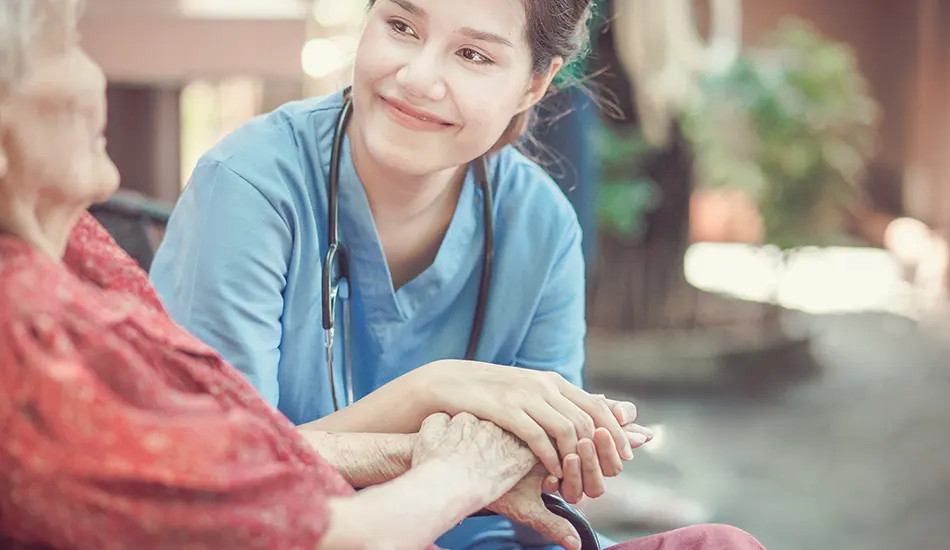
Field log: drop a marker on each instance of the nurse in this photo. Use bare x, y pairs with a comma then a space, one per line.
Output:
439, 87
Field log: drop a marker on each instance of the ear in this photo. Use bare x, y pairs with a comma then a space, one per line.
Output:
539, 84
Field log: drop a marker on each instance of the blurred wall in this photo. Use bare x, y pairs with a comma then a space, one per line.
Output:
151, 50
142, 49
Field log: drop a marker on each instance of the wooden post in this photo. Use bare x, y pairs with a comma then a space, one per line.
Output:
928, 185
144, 138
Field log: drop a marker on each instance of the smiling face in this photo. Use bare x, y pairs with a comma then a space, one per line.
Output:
436, 82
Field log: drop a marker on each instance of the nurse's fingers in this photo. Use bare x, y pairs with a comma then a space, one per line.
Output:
637, 435
624, 411
555, 424
610, 463
536, 438
583, 423
590, 469
603, 417
572, 488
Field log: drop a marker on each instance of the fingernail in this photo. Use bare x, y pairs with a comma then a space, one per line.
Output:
627, 452
572, 542
558, 472
638, 439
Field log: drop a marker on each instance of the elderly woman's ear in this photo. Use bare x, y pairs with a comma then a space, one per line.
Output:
4, 160
4, 136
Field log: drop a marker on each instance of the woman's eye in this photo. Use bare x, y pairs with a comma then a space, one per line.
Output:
400, 27
471, 55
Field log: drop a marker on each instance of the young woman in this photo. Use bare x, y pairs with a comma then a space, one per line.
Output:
455, 245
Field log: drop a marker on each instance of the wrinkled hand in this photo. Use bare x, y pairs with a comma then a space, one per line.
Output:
536, 406
523, 505
492, 459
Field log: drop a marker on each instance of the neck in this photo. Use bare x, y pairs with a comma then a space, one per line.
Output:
44, 226
396, 197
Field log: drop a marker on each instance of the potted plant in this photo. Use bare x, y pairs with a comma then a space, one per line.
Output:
792, 126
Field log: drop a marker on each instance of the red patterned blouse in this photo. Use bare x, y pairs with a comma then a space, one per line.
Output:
120, 430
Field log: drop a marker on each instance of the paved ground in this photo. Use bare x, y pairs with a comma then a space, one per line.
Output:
857, 457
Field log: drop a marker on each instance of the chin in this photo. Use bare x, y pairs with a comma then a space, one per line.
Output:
403, 156
104, 194
101, 192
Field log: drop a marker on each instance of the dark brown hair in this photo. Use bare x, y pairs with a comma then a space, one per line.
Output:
555, 28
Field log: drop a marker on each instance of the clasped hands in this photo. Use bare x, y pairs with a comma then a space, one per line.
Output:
511, 440
579, 438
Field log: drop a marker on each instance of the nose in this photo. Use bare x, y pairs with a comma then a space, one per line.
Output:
422, 76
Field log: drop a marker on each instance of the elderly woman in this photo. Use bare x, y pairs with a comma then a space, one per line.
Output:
120, 430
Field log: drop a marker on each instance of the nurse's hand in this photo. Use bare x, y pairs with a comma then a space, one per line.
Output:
536, 406
584, 472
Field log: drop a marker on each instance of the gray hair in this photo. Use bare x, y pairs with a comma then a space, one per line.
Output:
28, 25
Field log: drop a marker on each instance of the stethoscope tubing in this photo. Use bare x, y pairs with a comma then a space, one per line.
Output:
336, 256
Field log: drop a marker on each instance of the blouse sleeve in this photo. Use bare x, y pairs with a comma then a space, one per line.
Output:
87, 467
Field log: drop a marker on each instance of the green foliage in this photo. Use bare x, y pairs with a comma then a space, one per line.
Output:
625, 197
793, 127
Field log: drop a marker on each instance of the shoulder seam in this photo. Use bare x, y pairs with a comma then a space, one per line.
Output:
223, 165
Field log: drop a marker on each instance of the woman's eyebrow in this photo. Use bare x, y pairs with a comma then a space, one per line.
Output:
410, 7
475, 34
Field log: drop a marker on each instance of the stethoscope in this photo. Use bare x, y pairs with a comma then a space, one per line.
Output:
336, 258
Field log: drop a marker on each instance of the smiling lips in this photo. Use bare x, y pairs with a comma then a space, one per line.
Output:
414, 119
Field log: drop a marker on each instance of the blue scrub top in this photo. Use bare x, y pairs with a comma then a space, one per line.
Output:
241, 266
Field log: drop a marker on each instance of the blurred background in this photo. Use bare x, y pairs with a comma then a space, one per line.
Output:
765, 193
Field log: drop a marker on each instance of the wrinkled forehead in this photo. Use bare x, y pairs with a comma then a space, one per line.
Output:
33, 29
65, 82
